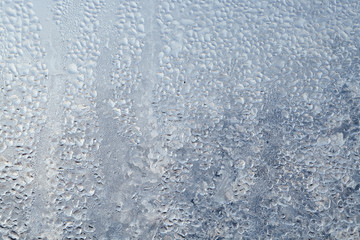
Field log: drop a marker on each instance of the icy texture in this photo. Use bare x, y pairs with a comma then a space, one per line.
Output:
179, 119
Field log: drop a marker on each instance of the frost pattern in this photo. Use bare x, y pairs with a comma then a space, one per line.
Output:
169, 119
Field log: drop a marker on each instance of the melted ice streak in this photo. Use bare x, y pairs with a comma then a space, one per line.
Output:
179, 119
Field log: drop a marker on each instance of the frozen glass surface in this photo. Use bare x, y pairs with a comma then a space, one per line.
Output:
179, 119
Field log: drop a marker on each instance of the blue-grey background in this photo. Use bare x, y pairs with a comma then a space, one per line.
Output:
169, 119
